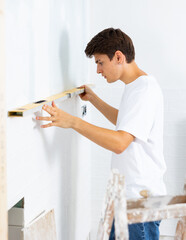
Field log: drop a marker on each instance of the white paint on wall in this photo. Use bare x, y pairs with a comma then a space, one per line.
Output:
50, 168
45, 43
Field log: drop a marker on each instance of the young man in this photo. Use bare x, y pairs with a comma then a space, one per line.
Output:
137, 142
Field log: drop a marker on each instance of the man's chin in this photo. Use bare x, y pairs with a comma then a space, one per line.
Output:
110, 81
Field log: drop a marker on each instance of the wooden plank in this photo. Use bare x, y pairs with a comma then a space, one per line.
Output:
3, 190
107, 214
155, 214
36, 106
156, 202
138, 210
114, 205
41, 228
120, 207
181, 225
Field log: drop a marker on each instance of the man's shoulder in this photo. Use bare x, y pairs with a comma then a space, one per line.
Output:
149, 83
145, 88
139, 85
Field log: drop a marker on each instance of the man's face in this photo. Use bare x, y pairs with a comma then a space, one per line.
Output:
109, 69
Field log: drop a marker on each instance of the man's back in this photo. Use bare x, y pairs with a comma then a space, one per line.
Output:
141, 114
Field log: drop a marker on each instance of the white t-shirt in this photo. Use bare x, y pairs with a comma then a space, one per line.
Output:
141, 114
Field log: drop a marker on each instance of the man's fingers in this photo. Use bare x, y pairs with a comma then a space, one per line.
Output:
47, 125
53, 104
45, 118
82, 86
52, 124
49, 109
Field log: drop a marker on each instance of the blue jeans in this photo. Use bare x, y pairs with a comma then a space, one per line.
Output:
140, 231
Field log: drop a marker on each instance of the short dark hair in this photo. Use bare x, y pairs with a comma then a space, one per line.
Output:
108, 42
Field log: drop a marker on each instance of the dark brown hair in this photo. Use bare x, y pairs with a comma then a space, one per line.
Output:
108, 42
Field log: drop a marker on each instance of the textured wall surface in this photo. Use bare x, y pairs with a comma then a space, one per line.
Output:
50, 168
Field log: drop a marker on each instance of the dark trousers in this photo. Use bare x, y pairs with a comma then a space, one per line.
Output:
140, 231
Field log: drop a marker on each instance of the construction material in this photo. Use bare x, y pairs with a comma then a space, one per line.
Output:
15, 223
181, 226
156, 202
138, 215
3, 190
43, 227
114, 205
16, 217
145, 193
140, 210
37, 106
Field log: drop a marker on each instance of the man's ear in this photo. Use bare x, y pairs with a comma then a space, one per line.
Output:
120, 57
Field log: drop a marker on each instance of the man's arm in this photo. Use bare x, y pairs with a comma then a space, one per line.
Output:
115, 141
108, 111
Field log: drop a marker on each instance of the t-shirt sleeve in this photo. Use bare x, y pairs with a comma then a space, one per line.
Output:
137, 113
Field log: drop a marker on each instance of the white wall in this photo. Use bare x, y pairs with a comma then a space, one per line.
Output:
50, 168
45, 44
159, 36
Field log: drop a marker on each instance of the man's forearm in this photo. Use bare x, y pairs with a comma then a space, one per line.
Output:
115, 141
108, 111
106, 138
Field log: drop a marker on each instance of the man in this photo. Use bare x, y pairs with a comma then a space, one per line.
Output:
137, 142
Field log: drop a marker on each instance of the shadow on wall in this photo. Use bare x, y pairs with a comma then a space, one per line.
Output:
63, 148
69, 178
65, 60
69, 143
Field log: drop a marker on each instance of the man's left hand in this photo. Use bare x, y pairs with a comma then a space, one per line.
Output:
58, 117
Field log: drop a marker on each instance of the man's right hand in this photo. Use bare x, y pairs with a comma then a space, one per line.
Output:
108, 111
88, 93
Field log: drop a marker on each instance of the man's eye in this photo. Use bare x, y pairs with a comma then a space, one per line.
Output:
100, 63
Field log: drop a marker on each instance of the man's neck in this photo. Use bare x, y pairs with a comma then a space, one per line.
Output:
131, 73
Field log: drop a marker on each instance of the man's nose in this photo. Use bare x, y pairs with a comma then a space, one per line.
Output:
99, 70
